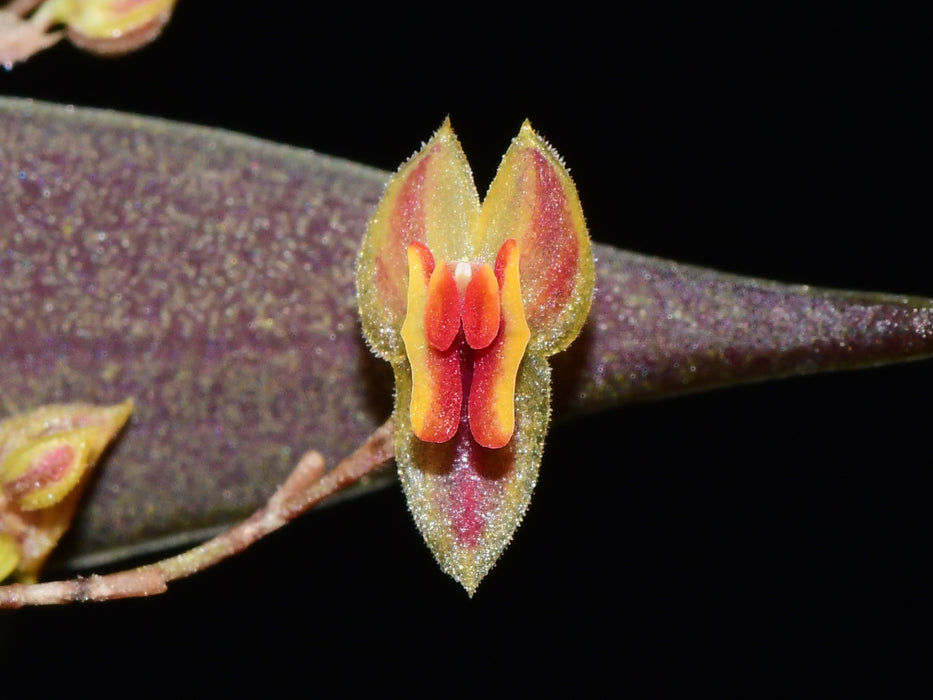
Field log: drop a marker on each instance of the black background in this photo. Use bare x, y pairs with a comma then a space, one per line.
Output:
731, 542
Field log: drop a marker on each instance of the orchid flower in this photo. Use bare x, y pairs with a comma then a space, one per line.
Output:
467, 302
212, 277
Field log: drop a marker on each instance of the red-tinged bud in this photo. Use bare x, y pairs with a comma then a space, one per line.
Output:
45, 458
43, 471
115, 26
101, 26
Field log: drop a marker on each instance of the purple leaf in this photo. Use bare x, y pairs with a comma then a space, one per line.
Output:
210, 277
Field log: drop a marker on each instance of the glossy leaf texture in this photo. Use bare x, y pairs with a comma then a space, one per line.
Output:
211, 277
467, 300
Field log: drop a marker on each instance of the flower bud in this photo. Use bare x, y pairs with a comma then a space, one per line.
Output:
46, 456
100, 26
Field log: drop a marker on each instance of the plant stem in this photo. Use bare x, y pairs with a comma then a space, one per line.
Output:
306, 486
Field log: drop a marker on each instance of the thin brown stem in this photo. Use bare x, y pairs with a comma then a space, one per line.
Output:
306, 486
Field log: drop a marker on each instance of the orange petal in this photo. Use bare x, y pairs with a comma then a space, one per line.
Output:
492, 393
442, 312
480, 311
436, 392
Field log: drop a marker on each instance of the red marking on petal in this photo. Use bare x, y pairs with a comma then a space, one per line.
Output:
442, 309
407, 226
480, 312
550, 249
427, 259
474, 487
470, 477
435, 375
408, 214
465, 502
485, 422
49, 468
504, 258
492, 392
466, 496
440, 418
